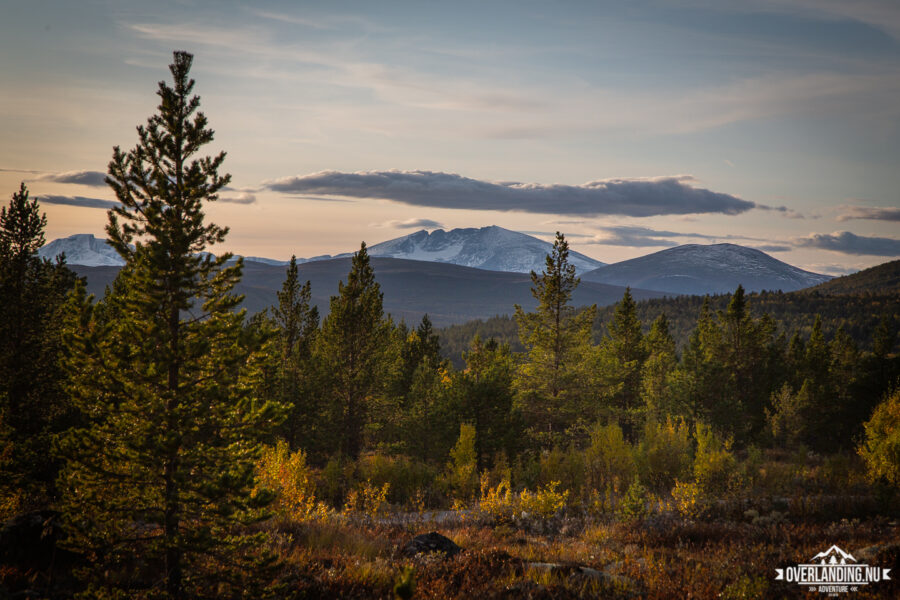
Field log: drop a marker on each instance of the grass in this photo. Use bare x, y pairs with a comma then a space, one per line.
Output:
664, 556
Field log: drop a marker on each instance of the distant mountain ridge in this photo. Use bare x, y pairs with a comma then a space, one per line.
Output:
490, 248
447, 293
706, 269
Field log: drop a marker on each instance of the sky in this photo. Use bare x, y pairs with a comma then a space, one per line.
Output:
628, 126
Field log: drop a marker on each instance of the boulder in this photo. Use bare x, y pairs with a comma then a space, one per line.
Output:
431, 542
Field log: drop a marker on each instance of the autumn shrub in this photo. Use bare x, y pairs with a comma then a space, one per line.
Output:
881, 448
290, 478
665, 454
609, 460
566, 468
498, 501
461, 474
406, 477
689, 499
545, 502
367, 500
714, 463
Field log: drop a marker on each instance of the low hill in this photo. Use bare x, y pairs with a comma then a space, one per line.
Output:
881, 279
448, 293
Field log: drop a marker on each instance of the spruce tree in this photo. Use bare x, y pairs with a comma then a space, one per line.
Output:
625, 349
553, 380
158, 484
32, 404
297, 322
350, 352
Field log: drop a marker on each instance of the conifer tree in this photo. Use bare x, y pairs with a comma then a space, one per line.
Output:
164, 467
486, 392
553, 381
625, 350
297, 322
32, 404
350, 353
659, 347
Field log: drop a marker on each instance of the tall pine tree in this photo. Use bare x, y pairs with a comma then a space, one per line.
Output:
32, 404
161, 475
553, 381
350, 353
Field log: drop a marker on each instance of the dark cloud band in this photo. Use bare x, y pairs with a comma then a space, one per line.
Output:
79, 201
631, 197
869, 212
850, 243
93, 178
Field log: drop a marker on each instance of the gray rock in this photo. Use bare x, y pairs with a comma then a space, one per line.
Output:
431, 542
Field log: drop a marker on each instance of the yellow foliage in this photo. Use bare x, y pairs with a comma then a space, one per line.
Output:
290, 478
368, 500
689, 498
545, 502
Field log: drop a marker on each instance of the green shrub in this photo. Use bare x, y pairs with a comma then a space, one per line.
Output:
407, 477
664, 455
566, 468
633, 505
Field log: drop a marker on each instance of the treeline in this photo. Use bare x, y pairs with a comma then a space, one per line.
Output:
156, 426
858, 313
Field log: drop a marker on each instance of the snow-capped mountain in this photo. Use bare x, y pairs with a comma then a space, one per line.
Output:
492, 248
706, 269
83, 249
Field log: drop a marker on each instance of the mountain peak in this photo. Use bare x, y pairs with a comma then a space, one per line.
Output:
706, 269
492, 248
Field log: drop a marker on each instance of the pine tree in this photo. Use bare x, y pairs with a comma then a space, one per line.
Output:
659, 348
32, 404
350, 353
161, 475
486, 398
625, 349
553, 381
297, 323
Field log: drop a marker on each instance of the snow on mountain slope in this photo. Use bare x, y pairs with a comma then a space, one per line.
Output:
492, 248
706, 269
83, 249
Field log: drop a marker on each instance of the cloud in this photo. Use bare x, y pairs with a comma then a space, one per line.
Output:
869, 212
638, 237
78, 201
631, 197
786, 212
412, 224
850, 243
242, 198
94, 178
772, 248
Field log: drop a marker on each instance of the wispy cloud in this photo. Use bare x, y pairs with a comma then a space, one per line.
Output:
772, 247
784, 211
850, 243
93, 178
411, 224
241, 198
631, 197
874, 213
78, 201
639, 237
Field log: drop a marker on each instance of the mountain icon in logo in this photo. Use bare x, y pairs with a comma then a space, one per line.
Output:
833, 556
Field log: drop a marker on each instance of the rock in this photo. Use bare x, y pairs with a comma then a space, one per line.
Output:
431, 542
579, 571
